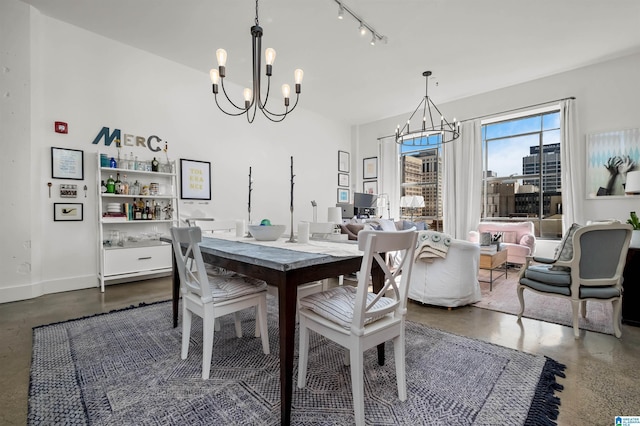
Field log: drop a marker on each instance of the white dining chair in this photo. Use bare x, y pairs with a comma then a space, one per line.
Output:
213, 296
358, 319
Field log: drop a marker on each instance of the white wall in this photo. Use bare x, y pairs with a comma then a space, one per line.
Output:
89, 82
606, 95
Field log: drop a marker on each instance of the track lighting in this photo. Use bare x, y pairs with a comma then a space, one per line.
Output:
364, 27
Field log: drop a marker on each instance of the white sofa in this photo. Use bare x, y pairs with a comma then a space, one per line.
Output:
451, 281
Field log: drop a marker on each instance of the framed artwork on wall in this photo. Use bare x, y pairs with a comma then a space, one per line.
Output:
67, 163
370, 187
343, 195
343, 161
610, 156
67, 212
343, 179
195, 180
370, 168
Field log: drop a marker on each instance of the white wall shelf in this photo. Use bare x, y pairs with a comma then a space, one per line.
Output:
139, 253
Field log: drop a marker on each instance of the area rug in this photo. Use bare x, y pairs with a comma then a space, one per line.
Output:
125, 368
504, 298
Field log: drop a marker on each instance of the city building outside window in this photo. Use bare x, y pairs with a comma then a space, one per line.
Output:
521, 172
421, 165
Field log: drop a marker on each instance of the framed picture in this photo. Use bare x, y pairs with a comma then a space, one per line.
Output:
195, 180
343, 195
370, 187
610, 155
67, 163
343, 161
67, 212
343, 179
370, 168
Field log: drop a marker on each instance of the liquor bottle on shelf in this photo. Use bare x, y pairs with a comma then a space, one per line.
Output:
135, 188
103, 187
157, 211
154, 165
125, 185
147, 211
118, 184
111, 187
137, 213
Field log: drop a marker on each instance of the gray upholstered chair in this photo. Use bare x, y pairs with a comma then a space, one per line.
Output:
589, 267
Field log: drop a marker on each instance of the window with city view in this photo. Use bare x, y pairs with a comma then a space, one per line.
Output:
421, 167
521, 172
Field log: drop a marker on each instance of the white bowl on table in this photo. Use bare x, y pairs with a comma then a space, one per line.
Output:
267, 232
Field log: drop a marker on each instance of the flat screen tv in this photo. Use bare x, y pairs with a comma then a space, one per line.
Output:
362, 200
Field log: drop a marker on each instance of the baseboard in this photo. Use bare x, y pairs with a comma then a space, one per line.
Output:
33, 290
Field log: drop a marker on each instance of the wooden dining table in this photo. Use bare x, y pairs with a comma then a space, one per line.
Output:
286, 267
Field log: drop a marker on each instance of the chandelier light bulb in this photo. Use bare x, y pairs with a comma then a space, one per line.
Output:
246, 93
270, 56
221, 55
214, 75
298, 74
286, 90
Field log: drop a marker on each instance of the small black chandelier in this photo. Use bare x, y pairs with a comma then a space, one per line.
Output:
253, 98
448, 131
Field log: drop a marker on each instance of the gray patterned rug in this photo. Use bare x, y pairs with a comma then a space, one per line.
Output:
125, 368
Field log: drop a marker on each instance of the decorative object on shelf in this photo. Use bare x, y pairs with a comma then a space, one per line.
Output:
343, 161
412, 202
635, 234
370, 168
67, 163
632, 184
195, 180
343, 195
447, 131
370, 187
253, 98
611, 158
67, 212
292, 238
364, 27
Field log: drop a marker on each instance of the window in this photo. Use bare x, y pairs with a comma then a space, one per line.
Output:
421, 175
521, 172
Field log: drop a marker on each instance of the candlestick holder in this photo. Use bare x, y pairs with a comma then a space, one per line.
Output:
292, 238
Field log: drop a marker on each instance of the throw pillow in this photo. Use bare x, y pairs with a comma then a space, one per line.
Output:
527, 240
508, 237
355, 228
566, 248
485, 238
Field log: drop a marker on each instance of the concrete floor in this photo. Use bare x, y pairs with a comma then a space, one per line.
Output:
603, 373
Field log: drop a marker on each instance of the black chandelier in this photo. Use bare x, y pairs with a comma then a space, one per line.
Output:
448, 131
253, 98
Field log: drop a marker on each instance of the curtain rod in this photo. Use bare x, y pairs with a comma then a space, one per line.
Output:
518, 109
500, 112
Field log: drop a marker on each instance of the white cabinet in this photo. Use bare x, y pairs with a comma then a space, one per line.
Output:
130, 247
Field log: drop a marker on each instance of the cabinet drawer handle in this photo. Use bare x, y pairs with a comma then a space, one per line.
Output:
144, 258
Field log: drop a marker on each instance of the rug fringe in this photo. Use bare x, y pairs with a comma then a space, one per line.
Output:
141, 304
545, 405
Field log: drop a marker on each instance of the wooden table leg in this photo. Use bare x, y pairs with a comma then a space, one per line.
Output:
175, 283
377, 279
287, 317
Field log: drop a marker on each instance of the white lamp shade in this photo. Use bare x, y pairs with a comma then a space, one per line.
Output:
633, 183
406, 201
334, 215
418, 201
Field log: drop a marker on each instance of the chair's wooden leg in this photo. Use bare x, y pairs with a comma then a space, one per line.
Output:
520, 291
617, 317
583, 308
186, 331
207, 340
303, 353
261, 319
399, 355
357, 383
575, 305
236, 320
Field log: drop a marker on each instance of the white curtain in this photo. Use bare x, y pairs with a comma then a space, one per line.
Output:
462, 182
389, 180
573, 165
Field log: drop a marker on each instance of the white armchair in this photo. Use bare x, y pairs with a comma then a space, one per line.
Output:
451, 281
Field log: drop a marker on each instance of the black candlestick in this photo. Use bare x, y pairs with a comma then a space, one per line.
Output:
291, 238
249, 203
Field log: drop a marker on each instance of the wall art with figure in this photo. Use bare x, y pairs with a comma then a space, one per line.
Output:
610, 156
